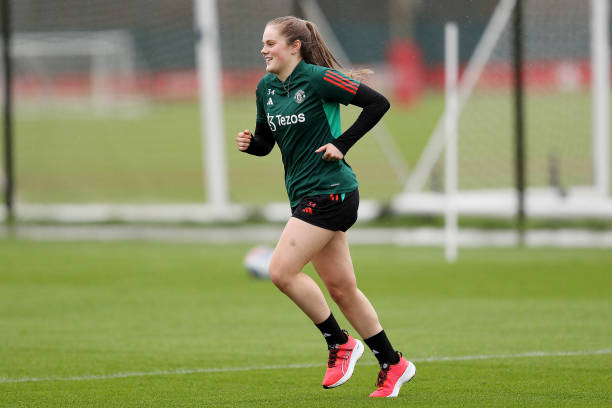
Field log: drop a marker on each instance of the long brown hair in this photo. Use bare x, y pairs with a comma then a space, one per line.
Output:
313, 50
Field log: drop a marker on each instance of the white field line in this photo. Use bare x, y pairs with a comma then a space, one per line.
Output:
4, 380
467, 238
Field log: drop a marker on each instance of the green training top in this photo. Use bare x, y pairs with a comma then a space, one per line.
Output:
303, 114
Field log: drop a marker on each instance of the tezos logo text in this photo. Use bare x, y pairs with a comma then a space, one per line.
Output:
285, 120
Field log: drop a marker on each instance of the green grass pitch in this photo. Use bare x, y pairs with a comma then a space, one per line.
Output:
134, 324
156, 155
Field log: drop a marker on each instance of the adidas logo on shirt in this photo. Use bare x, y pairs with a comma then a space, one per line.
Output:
270, 102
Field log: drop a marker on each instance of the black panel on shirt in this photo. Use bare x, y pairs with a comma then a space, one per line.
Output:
374, 105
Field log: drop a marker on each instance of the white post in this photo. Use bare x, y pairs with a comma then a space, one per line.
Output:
494, 30
600, 83
451, 57
101, 86
209, 79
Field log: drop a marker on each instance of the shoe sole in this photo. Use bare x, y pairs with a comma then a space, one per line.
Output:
355, 355
407, 376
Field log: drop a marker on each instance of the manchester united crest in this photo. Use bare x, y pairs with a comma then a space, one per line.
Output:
299, 96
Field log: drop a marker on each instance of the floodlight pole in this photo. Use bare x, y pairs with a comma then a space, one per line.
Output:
8, 111
519, 128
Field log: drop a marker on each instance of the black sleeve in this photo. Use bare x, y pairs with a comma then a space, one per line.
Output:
262, 141
374, 107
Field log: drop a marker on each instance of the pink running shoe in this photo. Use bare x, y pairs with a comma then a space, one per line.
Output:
392, 377
341, 362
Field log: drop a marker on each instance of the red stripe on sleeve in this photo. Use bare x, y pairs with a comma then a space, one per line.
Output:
341, 85
342, 79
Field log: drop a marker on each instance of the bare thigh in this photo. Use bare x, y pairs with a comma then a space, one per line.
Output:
298, 244
334, 265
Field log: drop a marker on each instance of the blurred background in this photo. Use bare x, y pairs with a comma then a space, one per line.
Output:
119, 120
108, 111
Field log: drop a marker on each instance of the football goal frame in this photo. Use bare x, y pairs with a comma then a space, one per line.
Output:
580, 201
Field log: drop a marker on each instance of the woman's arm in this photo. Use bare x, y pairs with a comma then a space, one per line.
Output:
374, 105
259, 144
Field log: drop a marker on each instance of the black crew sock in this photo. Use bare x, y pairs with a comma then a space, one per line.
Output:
382, 349
332, 333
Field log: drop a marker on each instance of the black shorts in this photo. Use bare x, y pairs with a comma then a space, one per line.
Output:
335, 212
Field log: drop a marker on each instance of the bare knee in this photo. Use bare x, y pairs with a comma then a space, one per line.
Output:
276, 276
343, 293
281, 274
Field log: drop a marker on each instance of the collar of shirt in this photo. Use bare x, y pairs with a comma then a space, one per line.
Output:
296, 71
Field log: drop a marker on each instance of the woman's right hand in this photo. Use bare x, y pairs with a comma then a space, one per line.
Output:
244, 140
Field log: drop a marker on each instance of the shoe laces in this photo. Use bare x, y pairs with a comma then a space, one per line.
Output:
382, 374
333, 355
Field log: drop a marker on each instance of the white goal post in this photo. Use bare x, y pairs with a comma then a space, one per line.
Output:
211, 105
578, 200
110, 67
474, 68
158, 65
600, 67
451, 62
111, 55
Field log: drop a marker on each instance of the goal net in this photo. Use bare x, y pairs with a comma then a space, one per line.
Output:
86, 70
558, 117
108, 123
108, 119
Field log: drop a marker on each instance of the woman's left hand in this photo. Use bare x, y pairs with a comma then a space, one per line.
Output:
330, 153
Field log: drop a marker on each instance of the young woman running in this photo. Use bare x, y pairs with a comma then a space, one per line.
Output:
298, 109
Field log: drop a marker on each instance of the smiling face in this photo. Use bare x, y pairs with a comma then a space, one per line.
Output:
281, 58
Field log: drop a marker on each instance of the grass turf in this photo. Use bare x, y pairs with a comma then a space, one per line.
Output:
71, 310
156, 155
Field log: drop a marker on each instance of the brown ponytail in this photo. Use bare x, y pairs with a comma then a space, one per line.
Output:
313, 50
316, 51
